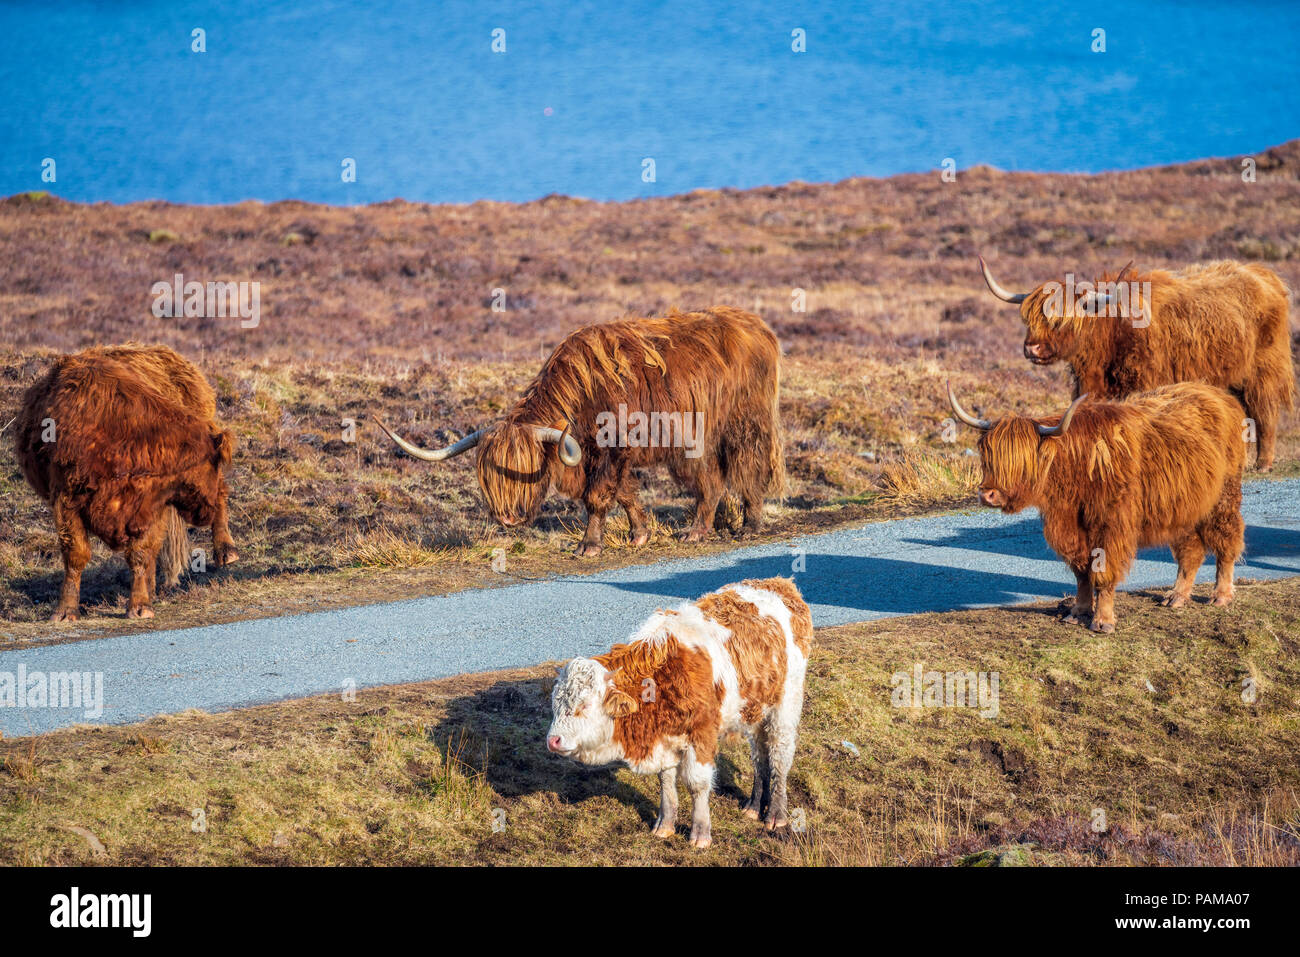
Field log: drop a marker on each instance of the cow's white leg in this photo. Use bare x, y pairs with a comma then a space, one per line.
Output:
667, 823
759, 797
699, 781
783, 732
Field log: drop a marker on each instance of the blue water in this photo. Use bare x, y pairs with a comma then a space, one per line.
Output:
586, 91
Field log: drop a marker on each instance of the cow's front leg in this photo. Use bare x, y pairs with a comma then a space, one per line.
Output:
666, 826
638, 528
699, 781
1189, 552
709, 489
1103, 618
223, 545
593, 539
597, 498
1082, 606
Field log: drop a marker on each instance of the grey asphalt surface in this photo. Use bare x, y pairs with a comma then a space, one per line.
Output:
940, 563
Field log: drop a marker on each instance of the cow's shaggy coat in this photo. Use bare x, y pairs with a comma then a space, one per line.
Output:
720, 367
1225, 323
1158, 468
733, 661
136, 451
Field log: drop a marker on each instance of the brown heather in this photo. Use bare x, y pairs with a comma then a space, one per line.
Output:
387, 309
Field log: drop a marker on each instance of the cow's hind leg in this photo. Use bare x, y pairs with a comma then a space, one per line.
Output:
142, 557
699, 781
782, 734
1263, 398
75, 546
1189, 552
760, 796
667, 823
1224, 534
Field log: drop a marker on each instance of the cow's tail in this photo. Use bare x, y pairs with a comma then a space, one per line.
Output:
777, 486
174, 555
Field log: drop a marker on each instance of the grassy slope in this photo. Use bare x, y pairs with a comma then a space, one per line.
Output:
386, 308
1148, 725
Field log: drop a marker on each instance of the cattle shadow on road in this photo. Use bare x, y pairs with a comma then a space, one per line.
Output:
858, 587
864, 586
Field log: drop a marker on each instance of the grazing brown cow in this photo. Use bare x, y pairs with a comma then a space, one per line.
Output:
1158, 468
1225, 323
733, 661
123, 444
696, 391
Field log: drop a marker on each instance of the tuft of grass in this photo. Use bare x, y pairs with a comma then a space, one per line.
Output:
22, 764
163, 236
922, 480
384, 548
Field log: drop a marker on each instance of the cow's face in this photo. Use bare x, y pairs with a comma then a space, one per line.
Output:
1051, 324
1010, 456
514, 472
584, 705
203, 488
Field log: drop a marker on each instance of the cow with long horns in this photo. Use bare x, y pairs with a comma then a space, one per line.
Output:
1225, 323
696, 391
1157, 468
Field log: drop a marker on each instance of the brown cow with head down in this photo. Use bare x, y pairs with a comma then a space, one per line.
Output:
694, 391
1225, 323
1160, 467
123, 444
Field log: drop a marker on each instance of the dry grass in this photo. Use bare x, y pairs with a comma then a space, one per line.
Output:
385, 548
926, 480
454, 771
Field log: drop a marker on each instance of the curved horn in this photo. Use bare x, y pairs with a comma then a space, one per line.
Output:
982, 424
570, 451
1064, 425
437, 455
998, 290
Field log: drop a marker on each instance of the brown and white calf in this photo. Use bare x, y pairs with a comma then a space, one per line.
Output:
732, 661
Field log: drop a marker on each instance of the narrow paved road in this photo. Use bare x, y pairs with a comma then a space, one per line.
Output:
890, 568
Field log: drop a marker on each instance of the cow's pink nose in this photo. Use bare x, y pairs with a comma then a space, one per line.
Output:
553, 742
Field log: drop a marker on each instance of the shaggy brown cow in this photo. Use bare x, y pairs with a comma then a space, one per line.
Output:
118, 441
1224, 323
695, 391
1108, 478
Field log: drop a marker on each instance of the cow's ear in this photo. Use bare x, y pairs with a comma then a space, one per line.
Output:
618, 704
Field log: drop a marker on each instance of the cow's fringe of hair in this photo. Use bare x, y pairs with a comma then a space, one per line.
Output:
639, 659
